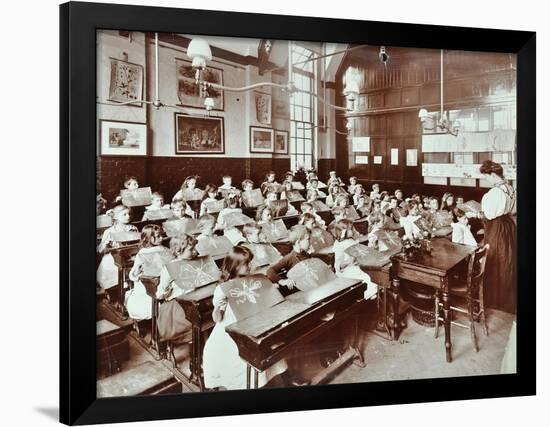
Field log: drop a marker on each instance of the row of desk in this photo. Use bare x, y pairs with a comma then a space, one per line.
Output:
432, 270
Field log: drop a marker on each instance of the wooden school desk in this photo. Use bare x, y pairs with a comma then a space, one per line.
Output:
124, 261
198, 309
432, 270
273, 334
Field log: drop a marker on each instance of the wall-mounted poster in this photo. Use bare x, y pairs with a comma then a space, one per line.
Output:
261, 140
122, 138
262, 101
412, 157
281, 142
377, 160
126, 83
394, 156
199, 135
191, 95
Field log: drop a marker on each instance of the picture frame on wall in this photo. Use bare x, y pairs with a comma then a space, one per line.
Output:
189, 95
126, 82
87, 341
199, 134
261, 140
119, 138
281, 142
262, 101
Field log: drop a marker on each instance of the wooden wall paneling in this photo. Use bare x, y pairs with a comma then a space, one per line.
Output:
429, 94
377, 172
394, 172
112, 172
410, 96
376, 100
392, 98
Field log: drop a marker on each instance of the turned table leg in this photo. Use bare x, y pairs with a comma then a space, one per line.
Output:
396, 283
447, 322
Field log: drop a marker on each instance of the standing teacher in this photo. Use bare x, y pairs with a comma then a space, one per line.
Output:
497, 206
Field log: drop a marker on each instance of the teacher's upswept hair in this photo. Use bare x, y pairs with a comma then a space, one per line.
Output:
488, 167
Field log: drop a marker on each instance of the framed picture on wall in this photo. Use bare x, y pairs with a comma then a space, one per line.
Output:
262, 101
261, 140
281, 142
189, 95
126, 82
198, 134
122, 138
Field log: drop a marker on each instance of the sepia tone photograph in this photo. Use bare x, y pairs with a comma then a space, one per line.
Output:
371, 237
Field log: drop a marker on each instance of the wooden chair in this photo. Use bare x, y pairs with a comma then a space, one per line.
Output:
470, 290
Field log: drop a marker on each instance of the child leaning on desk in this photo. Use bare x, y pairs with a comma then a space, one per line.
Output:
345, 265
300, 238
171, 321
222, 364
139, 304
107, 271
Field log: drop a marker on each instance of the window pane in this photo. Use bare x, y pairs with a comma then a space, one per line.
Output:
308, 146
293, 163
292, 144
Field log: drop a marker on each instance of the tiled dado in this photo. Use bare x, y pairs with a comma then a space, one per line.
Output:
166, 174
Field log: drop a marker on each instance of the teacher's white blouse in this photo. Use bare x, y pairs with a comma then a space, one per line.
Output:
499, 200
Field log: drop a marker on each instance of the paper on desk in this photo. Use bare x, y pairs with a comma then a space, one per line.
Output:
139, 197
275, 230
214, 246
253, 198
250, 295
153, 262
310, 274
192, 274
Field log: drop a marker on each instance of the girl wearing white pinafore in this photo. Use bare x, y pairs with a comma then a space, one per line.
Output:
222, 365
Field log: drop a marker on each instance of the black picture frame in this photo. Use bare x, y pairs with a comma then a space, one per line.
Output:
199, 120
104, 153
281, 132
253, 148
78, 127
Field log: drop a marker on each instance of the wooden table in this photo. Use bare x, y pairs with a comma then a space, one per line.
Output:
432, 270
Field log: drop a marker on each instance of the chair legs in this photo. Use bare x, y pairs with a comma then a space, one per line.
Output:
472, 323
471, 312
171, 353
482, 312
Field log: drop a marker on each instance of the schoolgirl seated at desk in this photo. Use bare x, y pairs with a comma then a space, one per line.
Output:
157, 203
222, 365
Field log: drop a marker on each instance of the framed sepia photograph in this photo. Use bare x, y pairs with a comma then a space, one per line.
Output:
192, 96
199, 135
413, 283
281, 141
122, 138
261, 140
126, 84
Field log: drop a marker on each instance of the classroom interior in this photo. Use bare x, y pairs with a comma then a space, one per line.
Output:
418, 123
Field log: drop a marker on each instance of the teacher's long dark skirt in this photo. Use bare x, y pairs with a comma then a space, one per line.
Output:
500, 272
